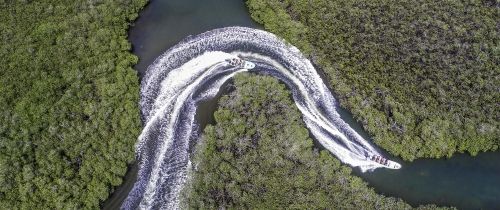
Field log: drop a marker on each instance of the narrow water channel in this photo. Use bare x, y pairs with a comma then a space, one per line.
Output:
462, 181
161, 25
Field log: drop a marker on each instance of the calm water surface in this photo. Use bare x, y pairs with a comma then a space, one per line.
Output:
462, 181
163, 23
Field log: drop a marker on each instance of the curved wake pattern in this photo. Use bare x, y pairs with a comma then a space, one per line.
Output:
194, 70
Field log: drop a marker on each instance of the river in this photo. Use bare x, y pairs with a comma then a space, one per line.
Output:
462, 181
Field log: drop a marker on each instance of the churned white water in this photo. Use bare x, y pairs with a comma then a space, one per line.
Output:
194, 70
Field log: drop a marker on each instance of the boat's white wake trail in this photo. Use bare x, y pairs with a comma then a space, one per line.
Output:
194, 70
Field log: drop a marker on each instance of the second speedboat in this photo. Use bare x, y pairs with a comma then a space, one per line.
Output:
384, 162
236, 62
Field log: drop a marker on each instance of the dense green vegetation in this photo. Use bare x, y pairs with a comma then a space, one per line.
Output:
259, 156
422, 76
68, 95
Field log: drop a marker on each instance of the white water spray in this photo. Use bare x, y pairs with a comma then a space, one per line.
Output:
194, 70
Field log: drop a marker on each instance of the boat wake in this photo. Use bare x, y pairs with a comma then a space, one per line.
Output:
193, 71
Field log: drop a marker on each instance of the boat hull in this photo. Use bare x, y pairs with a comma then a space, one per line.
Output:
382, 162
236, 62
248, 65
392, 165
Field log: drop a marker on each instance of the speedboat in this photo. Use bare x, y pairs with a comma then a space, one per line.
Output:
236, 62
384, 162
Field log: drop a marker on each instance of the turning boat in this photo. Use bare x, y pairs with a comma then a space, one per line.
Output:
384, 162
236, 62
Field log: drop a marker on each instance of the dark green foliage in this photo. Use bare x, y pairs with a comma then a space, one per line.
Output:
259, 156
422, 76
68, 95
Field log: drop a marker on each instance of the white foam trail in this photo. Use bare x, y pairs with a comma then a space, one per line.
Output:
195, 70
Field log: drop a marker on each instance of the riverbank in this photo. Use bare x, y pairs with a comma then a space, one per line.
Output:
401, 72
151, 34
412, 184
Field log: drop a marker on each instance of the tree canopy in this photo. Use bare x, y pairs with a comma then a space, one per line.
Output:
69, 113
422, 76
